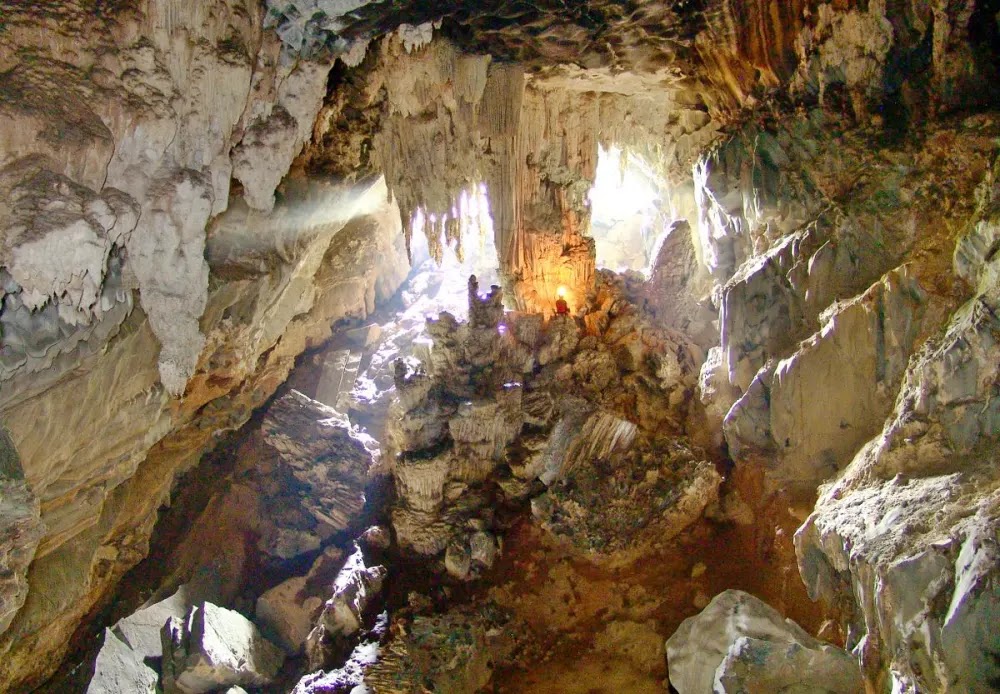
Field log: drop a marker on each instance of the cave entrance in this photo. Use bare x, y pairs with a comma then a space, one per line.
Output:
629, 210
354, 372
442, 261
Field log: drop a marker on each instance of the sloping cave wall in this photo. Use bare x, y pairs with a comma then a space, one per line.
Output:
155, 291
135, 330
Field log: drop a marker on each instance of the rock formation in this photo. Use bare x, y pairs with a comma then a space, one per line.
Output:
212, 648
195, 195
740, 644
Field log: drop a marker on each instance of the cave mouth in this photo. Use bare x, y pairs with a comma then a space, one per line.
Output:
629, 212
446, 249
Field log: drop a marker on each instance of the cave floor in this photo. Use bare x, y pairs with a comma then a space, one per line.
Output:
594, 628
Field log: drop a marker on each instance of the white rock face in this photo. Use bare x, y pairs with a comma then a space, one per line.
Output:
148, 161
140, 631
740, 644
274, 139
910, 530
356, 586
213, 648
856, 361
120, 670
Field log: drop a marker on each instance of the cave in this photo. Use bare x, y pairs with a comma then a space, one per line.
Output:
564, 347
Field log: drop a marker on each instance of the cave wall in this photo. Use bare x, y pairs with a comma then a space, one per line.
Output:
846, 239
146, 311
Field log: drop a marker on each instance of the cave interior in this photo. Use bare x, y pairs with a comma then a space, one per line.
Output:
553, 347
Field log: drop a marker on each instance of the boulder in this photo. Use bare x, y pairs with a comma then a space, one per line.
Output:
325, 454
355, 587
467, 557
288, 612
120, 670
677, 284
765, 666
740, 644
140, 631
287, 615
213, 648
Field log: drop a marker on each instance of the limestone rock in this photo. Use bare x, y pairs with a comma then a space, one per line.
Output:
140, 631
454, 652
760, 666
351, 674
121, 670
747, 426
92, 224
166, 253
561, 338
288, 543
281, 613
926, 558
20, 531
483, 429
908, 530
211, 648
618, 501
288, 612
272, 140
466, 557
740, 644
857, 360
325, 454
356, 586
677, 285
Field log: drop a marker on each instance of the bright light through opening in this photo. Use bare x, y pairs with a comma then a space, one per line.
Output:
628, 210
479, 256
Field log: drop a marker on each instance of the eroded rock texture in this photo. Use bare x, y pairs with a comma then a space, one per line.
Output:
909, 530
585, 409
191, 195
124, 343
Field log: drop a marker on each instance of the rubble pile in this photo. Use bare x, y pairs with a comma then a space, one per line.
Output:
585, 417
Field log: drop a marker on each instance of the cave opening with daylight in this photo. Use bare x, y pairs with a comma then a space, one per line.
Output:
450, 248
718, 413
629, 210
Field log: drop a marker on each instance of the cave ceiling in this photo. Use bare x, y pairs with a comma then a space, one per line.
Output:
607, 45
637, 36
